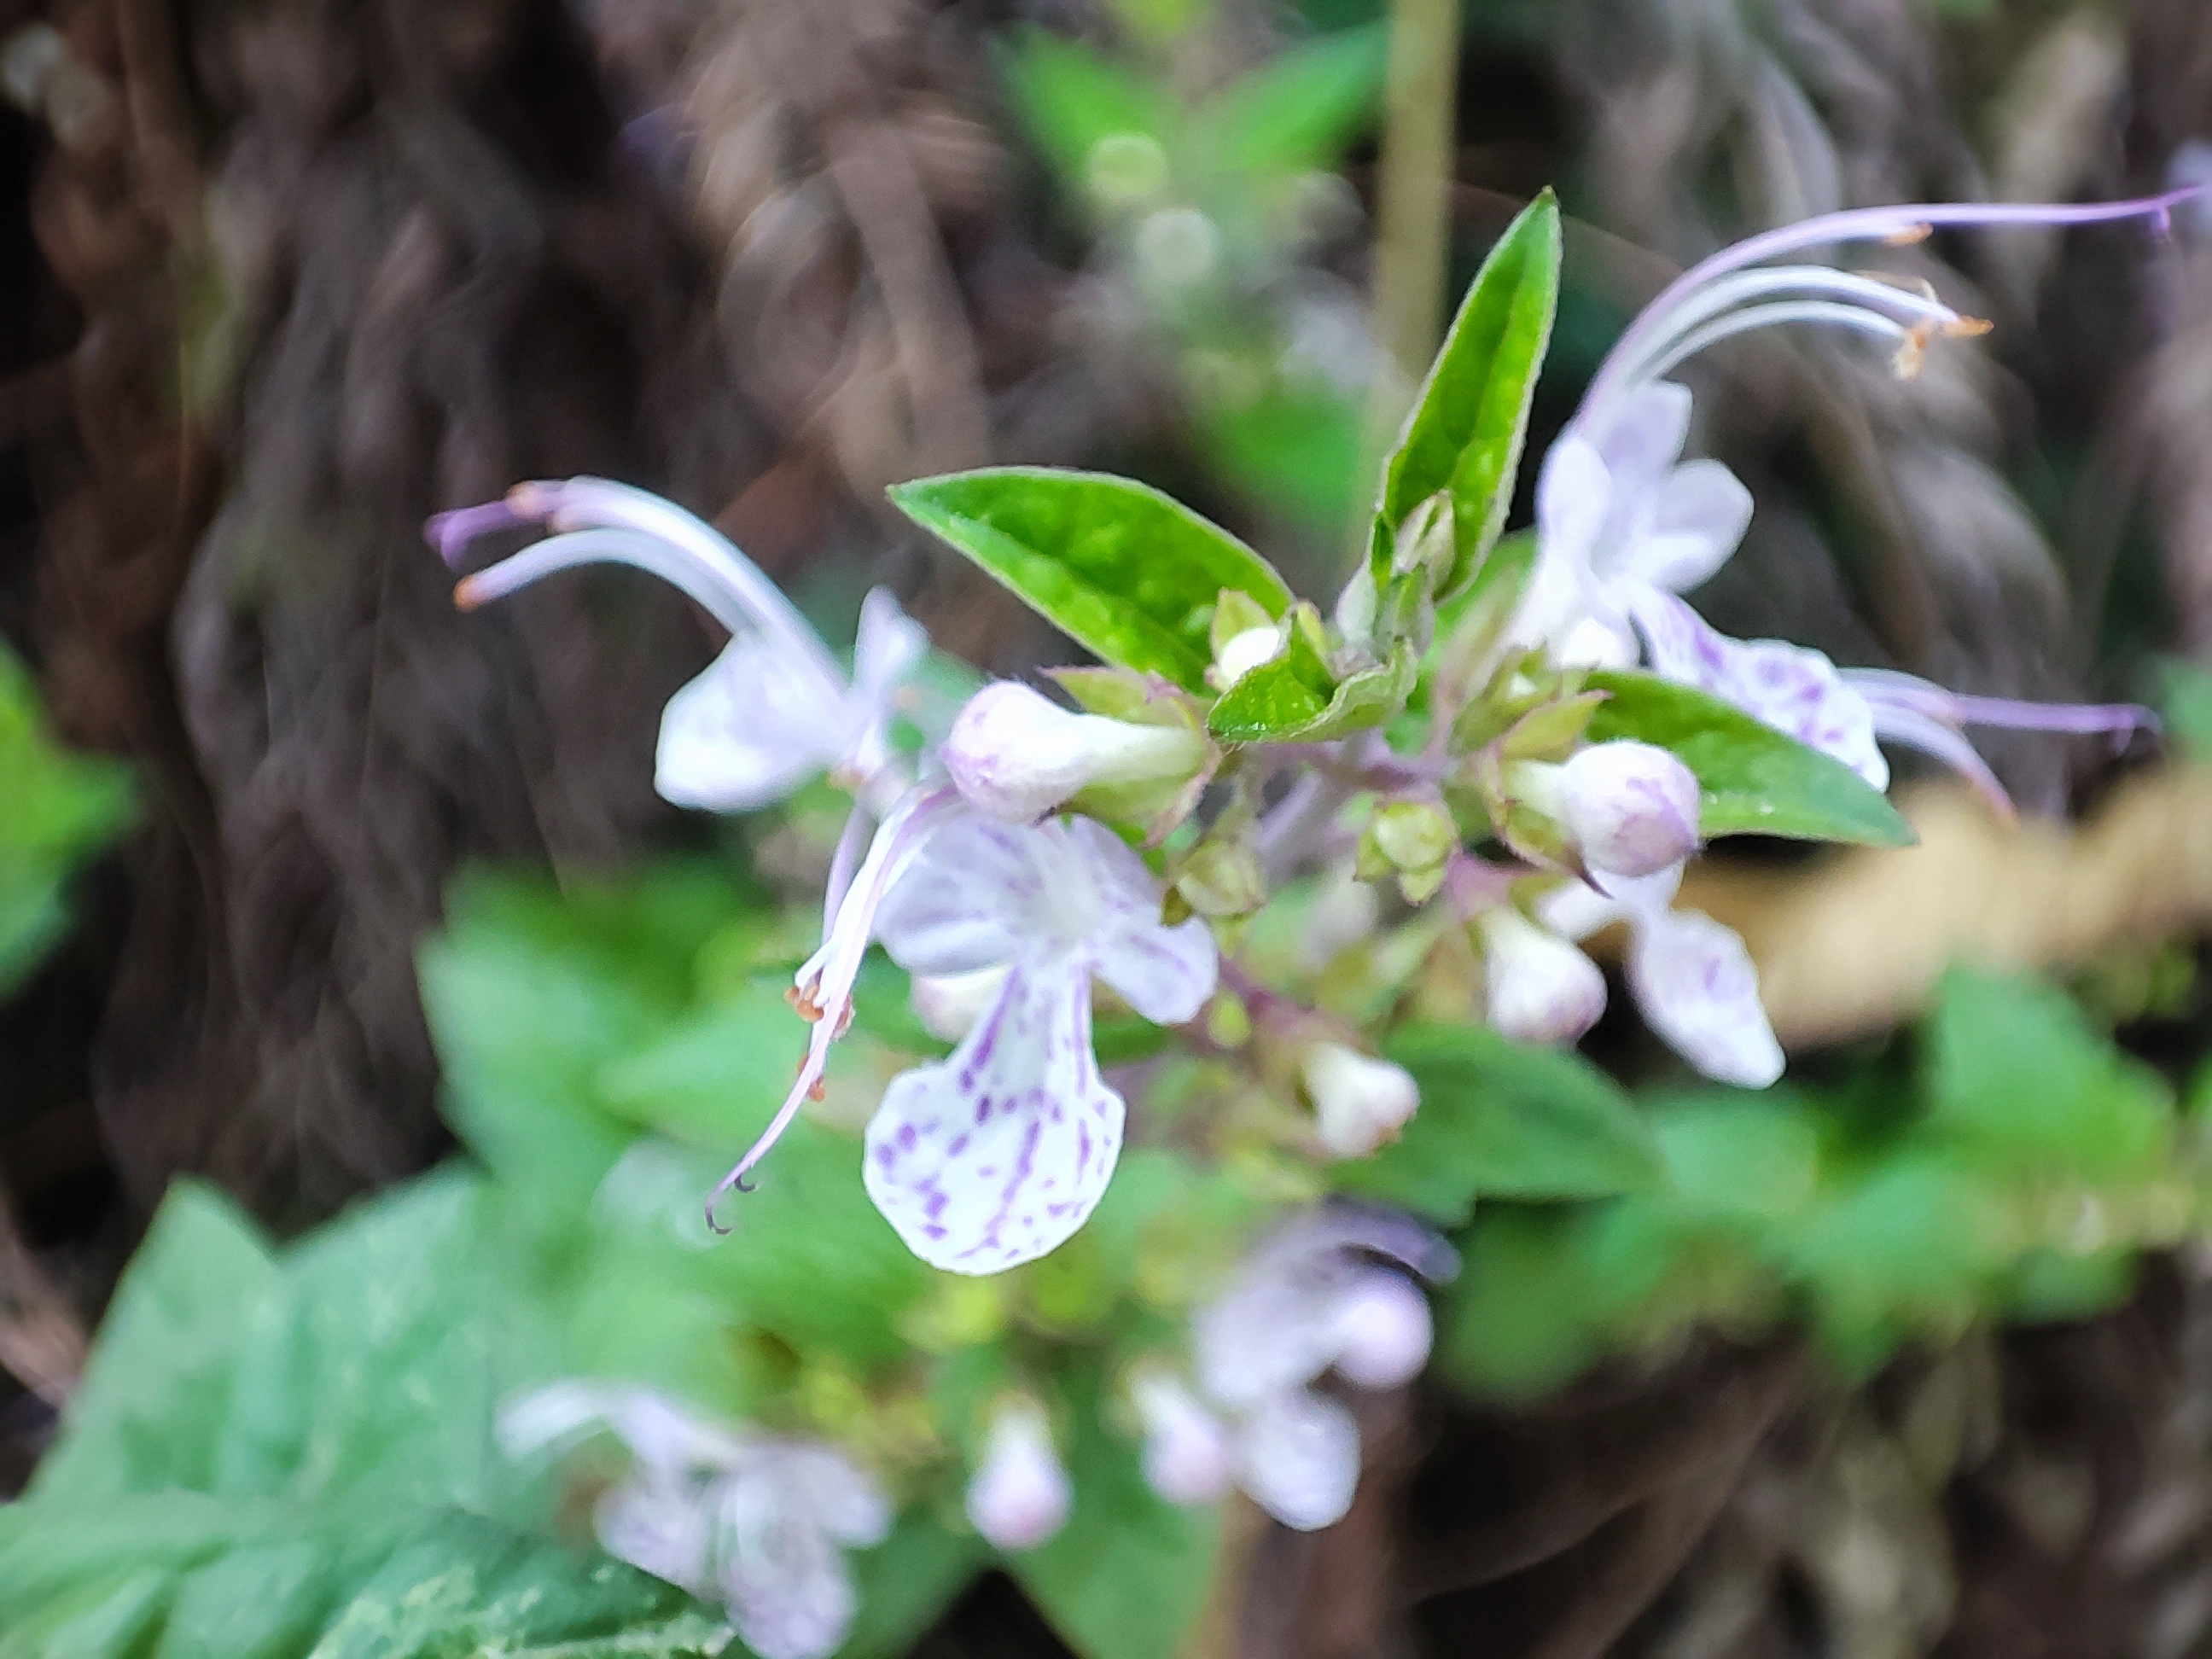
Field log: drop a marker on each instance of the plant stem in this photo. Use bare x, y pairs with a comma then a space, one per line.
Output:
1413, 191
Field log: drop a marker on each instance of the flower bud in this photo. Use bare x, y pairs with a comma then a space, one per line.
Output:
1019, 1496
1542, 989
1241, 654
1632, 808
1383, 1331
1359, 1102
1016, 755
1186, 1456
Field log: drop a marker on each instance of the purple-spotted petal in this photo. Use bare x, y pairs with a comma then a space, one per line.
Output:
995, 1156
1298, 1454
754, 727
1796, 691
1165, 974
1694, 520
1697, 987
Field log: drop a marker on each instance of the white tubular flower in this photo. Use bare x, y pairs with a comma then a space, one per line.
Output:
1359, 1102
1539, 987
1019, 1498
1624, 525
1242, 652
770, 713
1630, 808
1016, 755
1187, 1452
1691, 976
1315, 1297
757, 1522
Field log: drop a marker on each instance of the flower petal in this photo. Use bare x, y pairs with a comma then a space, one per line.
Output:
1165, 974
889, 646
754, 727
1695, 519
1796, 691
1697, 989
1573, 493
1641, 435
995, 1156
970, 900
1298, 1454
658, 1526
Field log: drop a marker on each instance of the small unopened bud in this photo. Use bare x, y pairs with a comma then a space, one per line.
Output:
1186, 1456
1410, 840
1359, 1102
1383, 1331
948, 1003
1017, 754
1632, 808
1241, 654
1542, 989
1019, 1496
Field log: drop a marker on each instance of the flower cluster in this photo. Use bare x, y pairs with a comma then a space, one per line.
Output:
1489, 751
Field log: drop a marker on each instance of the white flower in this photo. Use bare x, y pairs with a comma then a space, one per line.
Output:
757, 1522
1691, 976
949, 1005
1316, 1296
1359, 1102
770, 713
1016, 755
1625, 526
1019, 1496
1244, 652
997, 1154
1539, 988
1186, 1452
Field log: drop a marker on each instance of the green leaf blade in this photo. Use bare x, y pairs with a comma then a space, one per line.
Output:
1127, 571
1468, 425
1755, 780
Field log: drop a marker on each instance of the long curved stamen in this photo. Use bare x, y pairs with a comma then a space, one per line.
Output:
822, 990
1886, 686
1909, 222
580, 547
1658, 353
1777, 314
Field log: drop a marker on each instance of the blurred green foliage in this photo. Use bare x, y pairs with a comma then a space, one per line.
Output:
2013, 1171
56, 808
1209, 198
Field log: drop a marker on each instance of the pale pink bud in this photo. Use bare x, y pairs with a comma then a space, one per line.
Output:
1017, 754
1186, 1456
1019, 1496
1542, 989
1631, 808
1383, 1331
1359, 1102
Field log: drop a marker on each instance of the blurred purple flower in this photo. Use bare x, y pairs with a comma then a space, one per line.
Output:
759, 1524
1325, 1291
1019, 1496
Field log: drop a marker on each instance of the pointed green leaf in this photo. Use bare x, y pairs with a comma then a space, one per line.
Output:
1070, 96
1298, 110
1756, 780
1467, 429
1125, 571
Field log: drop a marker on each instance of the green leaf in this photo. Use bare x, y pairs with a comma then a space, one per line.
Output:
1466, 428
1288, 693
1070, 97
1298, 110
1733, 1158
1128, 1575
1506, 1118
2016, 1071
1755, 780
905, 1582
60, 806
190, 1576
1523, 1317
1125, 571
